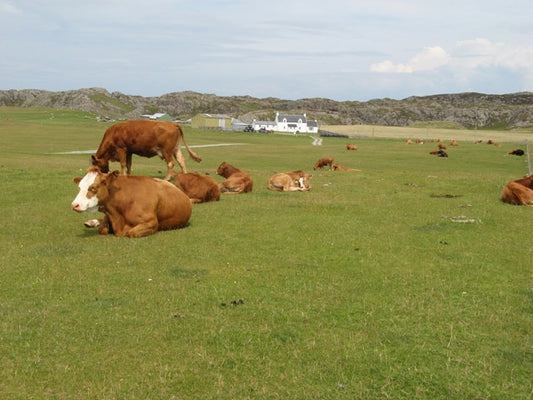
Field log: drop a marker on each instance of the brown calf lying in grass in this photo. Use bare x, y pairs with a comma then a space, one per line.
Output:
290, 182
338, 167
237, 181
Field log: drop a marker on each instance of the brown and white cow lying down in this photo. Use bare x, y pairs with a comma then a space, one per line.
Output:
322, 162
134, 206
290, 181
237, 181
145, 138
199, 188
350, 146
519, 192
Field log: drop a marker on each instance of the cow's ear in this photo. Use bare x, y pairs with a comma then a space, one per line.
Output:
93, 160
77, 180
115, 173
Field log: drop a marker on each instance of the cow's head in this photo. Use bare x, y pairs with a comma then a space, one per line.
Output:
225, 169
93, 190
221, 168
304, 182
101, 163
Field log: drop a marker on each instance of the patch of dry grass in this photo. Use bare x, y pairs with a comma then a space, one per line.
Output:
397, 132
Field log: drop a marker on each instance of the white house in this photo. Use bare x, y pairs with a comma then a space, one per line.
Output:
263, 125
157, 117
288, 123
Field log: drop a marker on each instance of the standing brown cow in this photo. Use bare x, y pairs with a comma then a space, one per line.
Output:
145, 138
237, 181
322, 162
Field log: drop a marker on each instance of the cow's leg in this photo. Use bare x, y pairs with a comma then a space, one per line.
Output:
144, 229
170, 168
180, 159
122, 158
105, 226
128, 163
93, 223
233, 188
227, 188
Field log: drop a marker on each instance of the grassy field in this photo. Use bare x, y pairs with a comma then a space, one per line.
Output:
407, 280
429, 130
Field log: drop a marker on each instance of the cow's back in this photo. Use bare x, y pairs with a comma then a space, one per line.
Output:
174, 206
199, 188
143, 137
519, 192
152, 196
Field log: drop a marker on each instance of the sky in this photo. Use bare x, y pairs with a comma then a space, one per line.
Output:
290, 49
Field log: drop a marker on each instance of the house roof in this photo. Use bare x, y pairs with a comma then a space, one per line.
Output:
153, 116
291, 118
218, 116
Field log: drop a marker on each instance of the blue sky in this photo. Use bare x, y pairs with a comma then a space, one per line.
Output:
336, 49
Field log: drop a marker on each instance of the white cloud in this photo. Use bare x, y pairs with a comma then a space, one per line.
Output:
484, 53
8, 8
430, 58
466, 55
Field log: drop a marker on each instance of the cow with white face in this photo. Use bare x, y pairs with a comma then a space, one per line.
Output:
133, 206
86, 199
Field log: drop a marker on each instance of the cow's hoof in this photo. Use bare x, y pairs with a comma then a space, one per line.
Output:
92, 223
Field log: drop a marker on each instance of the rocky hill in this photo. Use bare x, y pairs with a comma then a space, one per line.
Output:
469, 110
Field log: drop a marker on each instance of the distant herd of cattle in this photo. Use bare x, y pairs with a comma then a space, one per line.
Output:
137, 206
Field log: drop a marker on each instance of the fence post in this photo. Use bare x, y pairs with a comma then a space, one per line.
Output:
528, 158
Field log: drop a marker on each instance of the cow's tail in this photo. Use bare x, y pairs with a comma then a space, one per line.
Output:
193, 155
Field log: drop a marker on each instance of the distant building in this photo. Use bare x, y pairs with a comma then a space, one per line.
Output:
157, 117
213, 121
288, 123
238, 125
264, 125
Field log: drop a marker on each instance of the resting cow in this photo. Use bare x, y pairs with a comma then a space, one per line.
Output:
516, 152
133, 206
338, 167
199, 188
145, 138
290, 182
237, 181
351, 146
519, 192
440, 153
322, 162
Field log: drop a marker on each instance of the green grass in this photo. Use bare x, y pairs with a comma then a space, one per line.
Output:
362, 288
